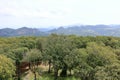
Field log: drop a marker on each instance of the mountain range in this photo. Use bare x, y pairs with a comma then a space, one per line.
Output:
80, 30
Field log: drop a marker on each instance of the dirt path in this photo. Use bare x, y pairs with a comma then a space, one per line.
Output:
29, 76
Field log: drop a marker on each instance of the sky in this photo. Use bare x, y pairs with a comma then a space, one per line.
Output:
49, 13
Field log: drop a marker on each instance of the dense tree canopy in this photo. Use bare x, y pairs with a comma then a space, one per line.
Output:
7, 68
89, 58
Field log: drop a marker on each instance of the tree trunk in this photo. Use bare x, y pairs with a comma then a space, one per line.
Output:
18, 69
64, 72
49, 70
35, 76
29, 65
55, 74
70, 72
19, 74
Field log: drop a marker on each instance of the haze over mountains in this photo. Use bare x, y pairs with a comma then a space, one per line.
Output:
80, 30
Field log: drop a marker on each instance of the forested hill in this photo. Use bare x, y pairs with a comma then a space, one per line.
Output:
89, 30
82, 30
24, 31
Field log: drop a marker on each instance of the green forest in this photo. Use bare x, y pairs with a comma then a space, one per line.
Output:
60, 57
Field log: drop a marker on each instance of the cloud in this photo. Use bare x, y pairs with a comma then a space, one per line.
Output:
30, 9
57, 12
30, 13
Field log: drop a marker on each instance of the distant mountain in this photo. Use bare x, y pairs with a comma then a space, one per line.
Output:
6, 32
82, 30
89, 30
45, 29
24, 31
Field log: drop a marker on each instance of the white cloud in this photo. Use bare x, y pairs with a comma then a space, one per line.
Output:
59, 12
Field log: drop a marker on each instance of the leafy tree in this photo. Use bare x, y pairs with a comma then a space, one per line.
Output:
109, 72
18, 56
73, 59
83, 69
117, 52
29, 42
33, 57
114, 43
7, 68
99, 55
58, 52
20, 52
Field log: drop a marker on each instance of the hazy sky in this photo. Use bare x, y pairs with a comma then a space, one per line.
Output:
44, 13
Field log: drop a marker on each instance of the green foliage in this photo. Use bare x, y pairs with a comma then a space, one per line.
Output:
98, 55
19, 52
89, 58
7, 68
33, 55
117, 52
109, 72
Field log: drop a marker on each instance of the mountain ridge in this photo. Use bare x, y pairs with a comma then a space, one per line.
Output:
80, 30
